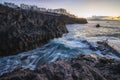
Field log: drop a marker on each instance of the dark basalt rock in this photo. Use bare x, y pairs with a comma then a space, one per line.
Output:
83, 67
98, 25
22, 30
59, 70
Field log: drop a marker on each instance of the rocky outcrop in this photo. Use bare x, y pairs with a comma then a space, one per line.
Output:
59, 70
22, 30
89, 67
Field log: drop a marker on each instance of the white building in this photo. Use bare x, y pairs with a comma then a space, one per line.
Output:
33, 7
42, 9
11, 5
24, 6
60, 11
51, 10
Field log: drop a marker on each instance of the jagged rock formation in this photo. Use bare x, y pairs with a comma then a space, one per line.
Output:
22, 30
89, 67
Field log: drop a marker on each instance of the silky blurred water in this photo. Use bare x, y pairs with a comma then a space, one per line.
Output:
70, 45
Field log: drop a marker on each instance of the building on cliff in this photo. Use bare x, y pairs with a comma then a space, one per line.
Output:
51, 10
32, 7
24, 6
42, 9
61, 11
11, 5
36, 8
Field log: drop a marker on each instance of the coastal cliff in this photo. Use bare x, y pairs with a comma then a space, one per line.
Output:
23, 30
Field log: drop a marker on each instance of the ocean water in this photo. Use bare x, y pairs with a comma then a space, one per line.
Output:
69, 45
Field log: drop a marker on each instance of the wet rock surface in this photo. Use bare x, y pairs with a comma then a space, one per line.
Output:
22, 30
83, 67
98, 25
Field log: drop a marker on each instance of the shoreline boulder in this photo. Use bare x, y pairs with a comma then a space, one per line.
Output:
98, 25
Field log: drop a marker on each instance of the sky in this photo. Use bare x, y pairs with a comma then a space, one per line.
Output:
81, 8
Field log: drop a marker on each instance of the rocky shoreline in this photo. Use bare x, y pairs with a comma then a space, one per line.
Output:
22, 30
83, 67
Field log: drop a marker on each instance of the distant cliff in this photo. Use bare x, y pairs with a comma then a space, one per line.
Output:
104, 18
22, 30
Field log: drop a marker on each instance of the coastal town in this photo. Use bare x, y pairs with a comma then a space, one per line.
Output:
39, 9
